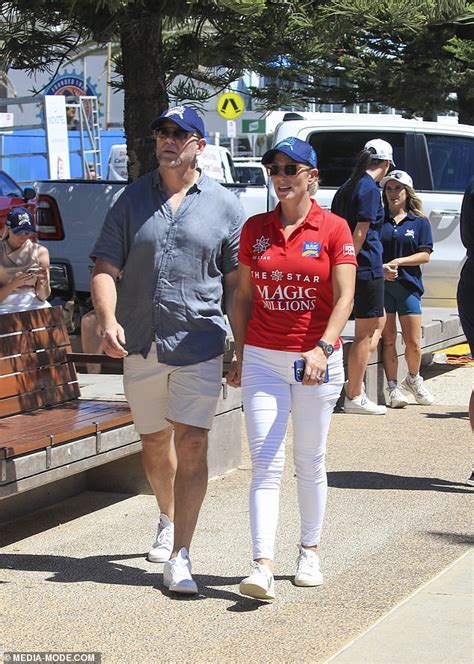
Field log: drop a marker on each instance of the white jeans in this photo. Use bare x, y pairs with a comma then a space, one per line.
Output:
269, 393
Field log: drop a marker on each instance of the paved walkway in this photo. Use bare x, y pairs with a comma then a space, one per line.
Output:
398, 577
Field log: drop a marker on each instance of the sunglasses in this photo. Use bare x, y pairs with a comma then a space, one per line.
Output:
176, 134
287, 169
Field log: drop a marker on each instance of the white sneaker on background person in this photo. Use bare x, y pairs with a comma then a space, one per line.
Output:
362, 405
396, 399
163, 545
177, 575
260, 584
308, 570
415, 386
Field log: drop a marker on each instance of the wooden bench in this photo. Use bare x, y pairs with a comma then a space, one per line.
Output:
41, 412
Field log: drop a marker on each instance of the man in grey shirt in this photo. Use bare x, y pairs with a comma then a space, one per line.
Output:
174, 235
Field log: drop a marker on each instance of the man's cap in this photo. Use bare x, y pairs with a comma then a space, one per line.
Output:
294, 148
398, 176
20, 220
184, 116
383, 149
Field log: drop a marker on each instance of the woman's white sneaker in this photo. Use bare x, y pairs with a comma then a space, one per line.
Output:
260, 584
163, 545
308, 571
396, 398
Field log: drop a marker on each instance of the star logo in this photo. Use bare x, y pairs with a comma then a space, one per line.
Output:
277, 275
261, 245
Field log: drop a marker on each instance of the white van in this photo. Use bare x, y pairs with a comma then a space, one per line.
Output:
439, 156
215, 161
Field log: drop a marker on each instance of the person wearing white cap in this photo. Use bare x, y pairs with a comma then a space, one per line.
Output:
407, 243
359, 201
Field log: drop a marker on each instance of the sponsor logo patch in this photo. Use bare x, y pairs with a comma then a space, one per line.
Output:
311, 249
348, 250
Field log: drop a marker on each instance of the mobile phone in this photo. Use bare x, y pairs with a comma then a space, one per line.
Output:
299, 366
34, 270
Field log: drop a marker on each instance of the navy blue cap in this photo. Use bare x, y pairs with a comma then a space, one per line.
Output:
184, 116
20, 220
294, 148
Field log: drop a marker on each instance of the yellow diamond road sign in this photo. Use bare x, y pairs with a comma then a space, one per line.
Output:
230, 105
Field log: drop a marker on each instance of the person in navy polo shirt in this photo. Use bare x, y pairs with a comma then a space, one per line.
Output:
359, 201
173, 234
407, 243
294, 295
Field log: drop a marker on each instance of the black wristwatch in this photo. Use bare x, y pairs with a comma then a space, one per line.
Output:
328, 349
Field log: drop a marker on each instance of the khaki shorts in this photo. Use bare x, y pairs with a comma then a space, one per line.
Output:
162, 393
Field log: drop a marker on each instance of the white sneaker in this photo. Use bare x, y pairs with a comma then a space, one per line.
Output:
308, 571
396, 398
177, 574
362, 405
419, 391
260, 584
163, 545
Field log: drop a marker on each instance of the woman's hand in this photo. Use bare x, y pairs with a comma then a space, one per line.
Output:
390, 271
315, 366
22, 279
234, 375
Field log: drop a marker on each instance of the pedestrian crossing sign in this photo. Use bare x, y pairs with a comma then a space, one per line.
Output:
230, 105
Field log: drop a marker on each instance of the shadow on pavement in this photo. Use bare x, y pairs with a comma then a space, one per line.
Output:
361, 479
460, 415
57, 514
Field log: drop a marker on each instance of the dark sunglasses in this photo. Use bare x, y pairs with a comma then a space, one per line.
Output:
287, 169
177, 134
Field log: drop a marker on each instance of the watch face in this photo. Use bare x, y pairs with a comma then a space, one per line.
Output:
327, 348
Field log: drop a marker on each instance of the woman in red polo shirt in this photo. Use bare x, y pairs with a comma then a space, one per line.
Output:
296, 280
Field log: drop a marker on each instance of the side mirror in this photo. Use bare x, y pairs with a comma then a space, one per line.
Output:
62, 281
29, 193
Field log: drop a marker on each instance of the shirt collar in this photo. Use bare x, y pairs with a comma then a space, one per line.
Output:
202, 182
313, 218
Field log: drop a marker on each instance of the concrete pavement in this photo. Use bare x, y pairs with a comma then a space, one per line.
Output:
75, 577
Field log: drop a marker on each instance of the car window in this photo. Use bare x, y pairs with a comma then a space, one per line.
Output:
338, 150
452, 161
8, 187
250, 175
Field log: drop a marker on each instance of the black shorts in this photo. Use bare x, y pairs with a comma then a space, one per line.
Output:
368, 298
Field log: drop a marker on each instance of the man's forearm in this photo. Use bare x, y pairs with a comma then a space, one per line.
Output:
104, 296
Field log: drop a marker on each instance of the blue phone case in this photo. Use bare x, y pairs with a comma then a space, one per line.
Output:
299, 366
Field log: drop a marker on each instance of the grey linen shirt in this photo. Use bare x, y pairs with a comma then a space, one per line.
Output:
172, 266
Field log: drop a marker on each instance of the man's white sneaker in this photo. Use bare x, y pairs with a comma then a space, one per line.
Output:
362, 405
396, 398
177, 574
163, 545
260, 584
419, 391
308, 571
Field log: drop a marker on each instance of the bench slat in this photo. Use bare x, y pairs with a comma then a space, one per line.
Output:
39, 379
108, 415
40, 399
26, 320
62, 418
29, 341
33, 360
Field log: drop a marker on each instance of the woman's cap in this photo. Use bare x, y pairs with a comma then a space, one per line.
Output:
184, 116
398, 176
383, 149
294, 148
20, 220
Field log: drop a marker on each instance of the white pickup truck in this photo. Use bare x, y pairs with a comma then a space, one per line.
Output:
439, 157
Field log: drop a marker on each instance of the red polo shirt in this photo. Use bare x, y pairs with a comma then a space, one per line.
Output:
293, 296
